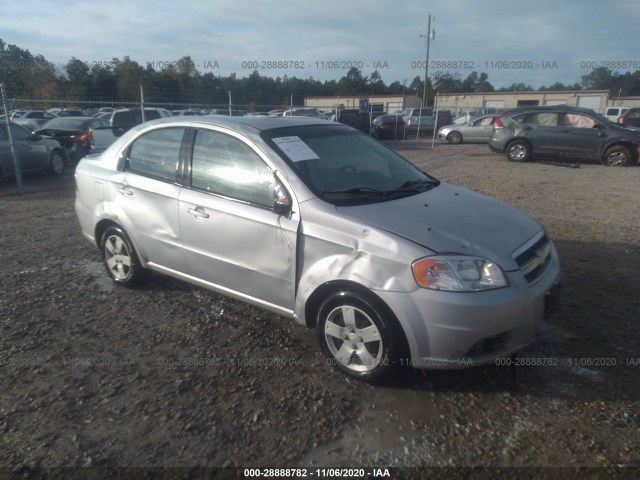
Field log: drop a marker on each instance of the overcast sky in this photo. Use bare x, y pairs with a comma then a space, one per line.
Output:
535, 42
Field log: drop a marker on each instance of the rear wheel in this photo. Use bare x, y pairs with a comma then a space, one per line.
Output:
519, 151
454, 138
56, 163
356, 338
120, 259
617, 156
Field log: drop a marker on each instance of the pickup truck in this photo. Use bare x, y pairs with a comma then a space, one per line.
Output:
121, 121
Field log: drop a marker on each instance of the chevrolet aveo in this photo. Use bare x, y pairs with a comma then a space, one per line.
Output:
318, 222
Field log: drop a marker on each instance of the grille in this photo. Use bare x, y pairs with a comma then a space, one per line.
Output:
534, 260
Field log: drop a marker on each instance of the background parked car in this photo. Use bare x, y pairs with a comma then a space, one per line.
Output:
614, 113
71, 112
563, 131
302, 112
32, 119
74, 134
475, 131
423, 119
388, 126
36, 153
631, 118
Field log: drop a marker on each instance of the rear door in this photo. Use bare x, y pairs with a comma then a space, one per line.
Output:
32, 152
579, 136
541, 129
232, 237
146, 192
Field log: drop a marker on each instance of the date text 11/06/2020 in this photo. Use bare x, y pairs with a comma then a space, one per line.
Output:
315, 65
486, 65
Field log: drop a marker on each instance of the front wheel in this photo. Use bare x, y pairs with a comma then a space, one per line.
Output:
356, 339
454, 138
519, 151
617, 156
120, 259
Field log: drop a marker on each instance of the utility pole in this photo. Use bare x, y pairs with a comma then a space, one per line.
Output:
430, 36
14, 154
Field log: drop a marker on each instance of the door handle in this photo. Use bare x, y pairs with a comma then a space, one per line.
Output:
126, 191
198, 212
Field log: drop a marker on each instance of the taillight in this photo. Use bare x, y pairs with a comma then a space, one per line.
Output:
83, 138
498, 123
622, 119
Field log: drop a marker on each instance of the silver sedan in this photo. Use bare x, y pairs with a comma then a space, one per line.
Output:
322, 224
478, 130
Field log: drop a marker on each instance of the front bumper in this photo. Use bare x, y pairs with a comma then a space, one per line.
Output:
449, 330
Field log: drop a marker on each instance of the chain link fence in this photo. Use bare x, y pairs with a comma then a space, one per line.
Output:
26, 154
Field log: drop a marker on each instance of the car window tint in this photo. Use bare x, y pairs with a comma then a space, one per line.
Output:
19, 133
156, 153
224, 165
634, 114
578, 121
542, 118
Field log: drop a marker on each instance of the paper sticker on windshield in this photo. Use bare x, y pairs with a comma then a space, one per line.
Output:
295, 149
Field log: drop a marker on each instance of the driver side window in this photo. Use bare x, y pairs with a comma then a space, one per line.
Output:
224, 165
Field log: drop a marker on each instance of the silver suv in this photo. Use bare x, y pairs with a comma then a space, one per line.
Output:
563, 131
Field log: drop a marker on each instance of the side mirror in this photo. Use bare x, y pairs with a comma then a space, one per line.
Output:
282, 201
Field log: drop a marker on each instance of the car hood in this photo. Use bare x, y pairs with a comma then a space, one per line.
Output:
449, 219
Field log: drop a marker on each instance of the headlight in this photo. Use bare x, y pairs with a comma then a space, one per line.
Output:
458, 274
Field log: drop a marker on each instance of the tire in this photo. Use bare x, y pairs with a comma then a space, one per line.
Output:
454, 138
120, 258
519, 151
56, 163
356, 339
617, 156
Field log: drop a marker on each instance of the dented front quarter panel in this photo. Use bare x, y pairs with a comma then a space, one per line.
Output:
335, 248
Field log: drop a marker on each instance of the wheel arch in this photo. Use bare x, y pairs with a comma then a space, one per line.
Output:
102, 227
633, 148
315, 300
62, 152
522, 140
458, 132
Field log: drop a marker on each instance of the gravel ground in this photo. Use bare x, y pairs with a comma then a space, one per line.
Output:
172, 375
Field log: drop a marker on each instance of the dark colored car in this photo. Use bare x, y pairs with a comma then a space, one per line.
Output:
631, 118
563, 131
73, 133
36, 153
388, 126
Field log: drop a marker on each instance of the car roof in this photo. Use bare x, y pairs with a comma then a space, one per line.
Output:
244, 124
550, 108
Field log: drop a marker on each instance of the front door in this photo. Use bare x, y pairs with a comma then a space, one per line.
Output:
232, 237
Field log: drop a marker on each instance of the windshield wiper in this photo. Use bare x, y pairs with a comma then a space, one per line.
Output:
357, 190
411, 186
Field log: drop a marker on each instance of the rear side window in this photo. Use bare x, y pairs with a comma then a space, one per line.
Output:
634, 114
225, 165
156, 154
538, 118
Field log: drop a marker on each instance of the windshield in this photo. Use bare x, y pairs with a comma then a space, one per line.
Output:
345, 167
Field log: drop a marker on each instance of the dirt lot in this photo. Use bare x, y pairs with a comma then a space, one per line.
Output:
172, 375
